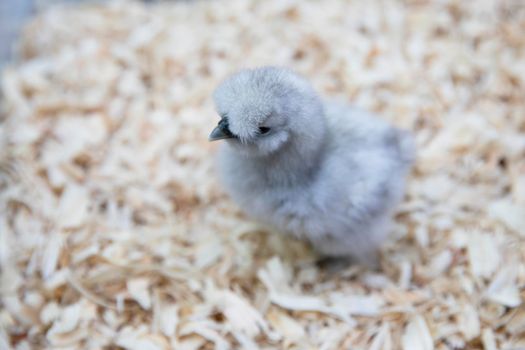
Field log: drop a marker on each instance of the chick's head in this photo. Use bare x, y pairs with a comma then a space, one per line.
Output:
265, 109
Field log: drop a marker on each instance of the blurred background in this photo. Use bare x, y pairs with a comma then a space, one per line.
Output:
12, 16
114, 233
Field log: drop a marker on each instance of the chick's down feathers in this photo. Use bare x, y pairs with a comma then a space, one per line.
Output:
322, 171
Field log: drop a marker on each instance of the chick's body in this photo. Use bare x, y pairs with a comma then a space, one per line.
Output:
335, 186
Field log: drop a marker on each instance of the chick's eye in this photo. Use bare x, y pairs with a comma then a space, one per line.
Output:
264, 130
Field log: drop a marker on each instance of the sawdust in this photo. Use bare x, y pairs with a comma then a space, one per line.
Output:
115, 234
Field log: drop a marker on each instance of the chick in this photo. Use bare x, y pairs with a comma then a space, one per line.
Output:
323, 172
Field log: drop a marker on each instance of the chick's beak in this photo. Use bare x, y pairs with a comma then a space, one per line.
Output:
221, 132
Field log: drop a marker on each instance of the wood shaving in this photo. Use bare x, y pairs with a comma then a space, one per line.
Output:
114, 232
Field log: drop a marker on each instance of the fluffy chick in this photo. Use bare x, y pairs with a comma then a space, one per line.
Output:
323, 172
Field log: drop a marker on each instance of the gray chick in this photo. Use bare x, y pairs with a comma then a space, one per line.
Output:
323, 172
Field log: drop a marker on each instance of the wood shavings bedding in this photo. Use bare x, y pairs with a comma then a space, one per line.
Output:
115, 234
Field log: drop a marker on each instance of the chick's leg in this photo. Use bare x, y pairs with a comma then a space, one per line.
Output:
333, 264
361, 245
